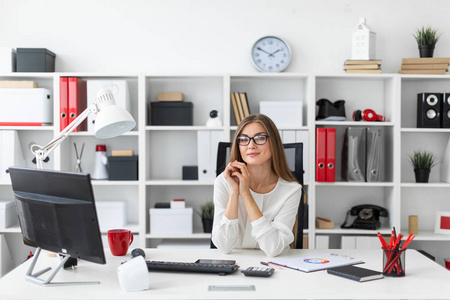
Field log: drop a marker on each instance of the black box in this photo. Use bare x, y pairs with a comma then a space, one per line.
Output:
123, 167
171, 113
190, 172
35, 60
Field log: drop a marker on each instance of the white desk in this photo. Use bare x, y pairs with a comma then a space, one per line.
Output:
424, 279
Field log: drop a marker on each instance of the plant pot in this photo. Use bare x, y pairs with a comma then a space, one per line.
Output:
426, 50
207, 225
422, 175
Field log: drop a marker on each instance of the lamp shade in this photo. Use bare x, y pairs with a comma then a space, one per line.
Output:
111, 120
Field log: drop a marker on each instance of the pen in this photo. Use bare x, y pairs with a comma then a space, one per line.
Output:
270, 265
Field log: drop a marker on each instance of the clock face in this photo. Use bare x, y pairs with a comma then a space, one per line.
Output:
271, 54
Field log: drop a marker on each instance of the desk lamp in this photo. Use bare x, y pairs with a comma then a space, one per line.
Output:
111, 121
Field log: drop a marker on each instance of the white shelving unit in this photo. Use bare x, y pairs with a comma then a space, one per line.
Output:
163, 150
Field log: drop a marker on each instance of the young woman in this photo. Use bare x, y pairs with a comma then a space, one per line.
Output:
256, 198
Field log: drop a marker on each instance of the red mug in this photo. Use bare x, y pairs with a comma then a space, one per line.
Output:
447, 263
119, 240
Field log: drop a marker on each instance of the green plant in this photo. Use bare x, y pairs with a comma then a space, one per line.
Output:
422, 159
427, 36
208, 210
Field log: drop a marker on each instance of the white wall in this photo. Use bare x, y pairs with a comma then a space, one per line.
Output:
172, 36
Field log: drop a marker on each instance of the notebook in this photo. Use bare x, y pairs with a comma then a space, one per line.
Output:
316, 262
355, 273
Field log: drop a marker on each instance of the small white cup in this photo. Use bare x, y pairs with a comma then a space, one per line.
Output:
133, 275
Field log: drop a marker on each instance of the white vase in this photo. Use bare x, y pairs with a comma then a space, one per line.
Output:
445, 165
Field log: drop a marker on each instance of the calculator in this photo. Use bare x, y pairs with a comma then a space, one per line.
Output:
258, 271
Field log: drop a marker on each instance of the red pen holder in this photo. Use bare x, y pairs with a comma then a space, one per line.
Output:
394, 262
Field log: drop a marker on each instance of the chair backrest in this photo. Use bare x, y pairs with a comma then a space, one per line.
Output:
294, 157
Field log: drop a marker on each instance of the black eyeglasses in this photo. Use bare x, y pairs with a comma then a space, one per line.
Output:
260, 139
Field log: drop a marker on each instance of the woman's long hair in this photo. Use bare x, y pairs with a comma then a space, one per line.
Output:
279, 163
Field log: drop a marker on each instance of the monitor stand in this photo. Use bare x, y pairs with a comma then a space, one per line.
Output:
47, 282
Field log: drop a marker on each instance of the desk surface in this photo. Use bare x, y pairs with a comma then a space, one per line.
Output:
424, 279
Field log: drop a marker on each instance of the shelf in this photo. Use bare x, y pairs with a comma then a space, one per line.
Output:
354, 124
12, 229
181, 128
425, 130
425, 185
429, 236
114, 183
339, 231
301, 128
91, 134
178, 182
355, 184
177, 236
34, 128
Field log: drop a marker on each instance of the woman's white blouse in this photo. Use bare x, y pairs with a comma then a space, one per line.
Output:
272, 233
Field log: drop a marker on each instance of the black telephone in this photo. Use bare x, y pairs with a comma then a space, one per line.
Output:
367, 216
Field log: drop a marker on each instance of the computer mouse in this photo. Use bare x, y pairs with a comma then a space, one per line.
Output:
137, 252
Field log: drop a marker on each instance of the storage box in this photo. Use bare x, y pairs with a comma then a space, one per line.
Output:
190, 173
283, 113
8, 214
123, 167
7, 60
171, 113
111, 214
26, 107
35, 60
323, 223
170, 96
171, 221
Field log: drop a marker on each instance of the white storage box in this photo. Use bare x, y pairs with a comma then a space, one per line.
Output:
26, 107
7, 60
283, 113
8, 214
171, 221
111, 214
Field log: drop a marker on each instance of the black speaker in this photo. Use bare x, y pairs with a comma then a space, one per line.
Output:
429, 108
445, 115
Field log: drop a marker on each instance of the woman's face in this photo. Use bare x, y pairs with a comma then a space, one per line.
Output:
254, 154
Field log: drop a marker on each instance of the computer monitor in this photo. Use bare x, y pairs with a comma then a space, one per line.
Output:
57, 213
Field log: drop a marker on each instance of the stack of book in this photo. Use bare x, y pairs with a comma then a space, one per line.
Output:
425, 65
362, 66
241, 109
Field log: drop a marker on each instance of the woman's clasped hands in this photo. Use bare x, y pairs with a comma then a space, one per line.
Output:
238, 177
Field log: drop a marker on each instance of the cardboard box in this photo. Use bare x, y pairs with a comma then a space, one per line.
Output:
170, 96
8, 214
323, 223
7, 60
35, 60
111, 214
171, 221
283, 113
31, 107
171, 113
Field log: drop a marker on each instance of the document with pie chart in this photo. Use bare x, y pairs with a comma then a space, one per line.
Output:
316, 262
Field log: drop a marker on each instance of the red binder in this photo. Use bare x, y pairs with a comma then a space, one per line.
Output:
63, 103
77, 101
330, 155
321, 148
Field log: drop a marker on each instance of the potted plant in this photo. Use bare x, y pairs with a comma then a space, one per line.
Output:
207, 216
422, 162
426, 38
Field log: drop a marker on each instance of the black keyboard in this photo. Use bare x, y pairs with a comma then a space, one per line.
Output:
220, 269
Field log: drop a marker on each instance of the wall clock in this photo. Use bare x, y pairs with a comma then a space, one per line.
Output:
271, 54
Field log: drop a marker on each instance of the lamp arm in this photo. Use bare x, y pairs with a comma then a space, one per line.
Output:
41, 153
